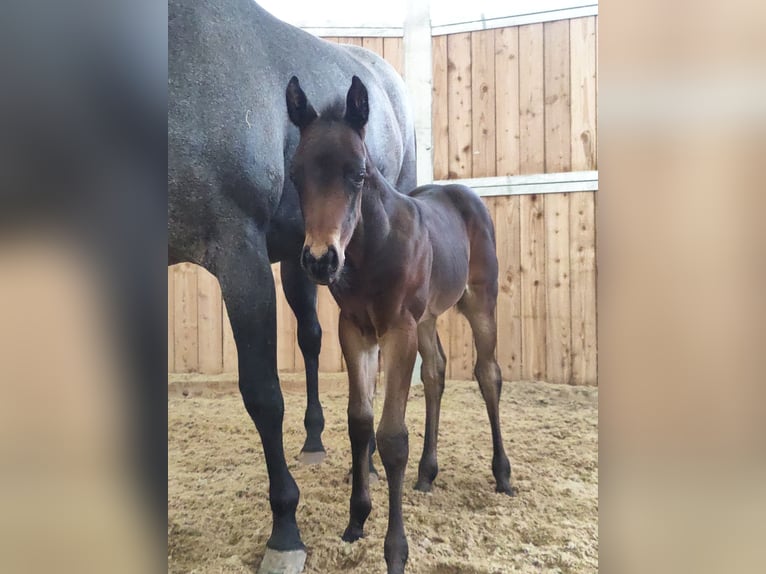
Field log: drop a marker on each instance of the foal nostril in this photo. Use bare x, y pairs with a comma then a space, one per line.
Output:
332, 259
306, 257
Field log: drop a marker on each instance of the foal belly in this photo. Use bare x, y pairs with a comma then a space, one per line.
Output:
449, 276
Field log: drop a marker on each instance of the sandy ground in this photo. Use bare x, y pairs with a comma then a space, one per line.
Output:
219, 518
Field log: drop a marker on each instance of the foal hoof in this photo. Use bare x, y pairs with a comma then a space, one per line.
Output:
276, 562
506, 489
423, 486
311, 457
374, 477
352, 534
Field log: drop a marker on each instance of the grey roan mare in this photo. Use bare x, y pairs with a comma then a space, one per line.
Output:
231, 207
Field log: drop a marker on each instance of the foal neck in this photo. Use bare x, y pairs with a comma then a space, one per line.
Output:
380, 201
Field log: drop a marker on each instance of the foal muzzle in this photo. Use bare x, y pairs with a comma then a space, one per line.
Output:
323, 269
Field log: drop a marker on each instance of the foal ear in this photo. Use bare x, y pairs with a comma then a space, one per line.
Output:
357, 105
299, 109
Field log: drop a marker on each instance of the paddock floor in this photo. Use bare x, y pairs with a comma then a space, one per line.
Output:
219, 517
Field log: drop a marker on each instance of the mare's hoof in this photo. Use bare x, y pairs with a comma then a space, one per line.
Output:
423, 486
312, 457
284, 562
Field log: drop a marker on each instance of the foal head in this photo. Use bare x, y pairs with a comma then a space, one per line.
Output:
329, 169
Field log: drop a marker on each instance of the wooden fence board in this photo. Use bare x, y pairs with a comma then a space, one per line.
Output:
440, 108
287, 345
185, 300
508, 235
229, 347
507, 101
531, 207
374, 45
171, 320
531, 119
209, 323
327, 310
582, 232
393, 52
460, 165
483, 103
557, 159
583, 288
349, 40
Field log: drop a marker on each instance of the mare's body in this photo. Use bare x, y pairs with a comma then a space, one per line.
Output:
231, 207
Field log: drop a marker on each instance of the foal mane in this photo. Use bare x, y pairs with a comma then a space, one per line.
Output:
333, 111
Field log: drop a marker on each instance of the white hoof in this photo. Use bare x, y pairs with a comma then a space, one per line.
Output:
276, 562
312, 457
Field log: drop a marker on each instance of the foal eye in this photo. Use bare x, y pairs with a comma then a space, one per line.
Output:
357, 178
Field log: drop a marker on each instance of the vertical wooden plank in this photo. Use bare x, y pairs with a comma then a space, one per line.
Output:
440, 108
171, 320
459, 103
393, 52
531, 207
557, 159
286, 326
483, 102
583, 288
209, 323
583, 92
582, 208
507, 98
374, 44
531, 120
507, 209
331, 39
229, 347
532, 255
507, 233
460, 166
350, 40
440, 130
185, 295
327, 310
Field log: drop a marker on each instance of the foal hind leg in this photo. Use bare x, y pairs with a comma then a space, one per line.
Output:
301, 295
478, 305
432, 374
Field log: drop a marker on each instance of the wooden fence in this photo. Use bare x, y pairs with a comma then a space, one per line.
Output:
508, 101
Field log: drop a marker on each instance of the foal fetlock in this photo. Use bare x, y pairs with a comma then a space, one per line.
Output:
313, 422
501, 469
427, 471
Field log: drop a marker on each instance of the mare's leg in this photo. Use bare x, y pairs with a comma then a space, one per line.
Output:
248, 290
360, 349
301, 294
399, 346
432, 374
478, 305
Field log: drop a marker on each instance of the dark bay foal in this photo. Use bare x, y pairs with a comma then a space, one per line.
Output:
394, 263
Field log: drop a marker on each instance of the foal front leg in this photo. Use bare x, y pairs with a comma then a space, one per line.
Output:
360, 349
399, 347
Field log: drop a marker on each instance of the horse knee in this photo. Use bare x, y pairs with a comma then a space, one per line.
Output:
360, 428
310, 337
393, 447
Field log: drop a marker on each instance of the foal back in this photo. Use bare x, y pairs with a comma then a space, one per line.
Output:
463, 243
